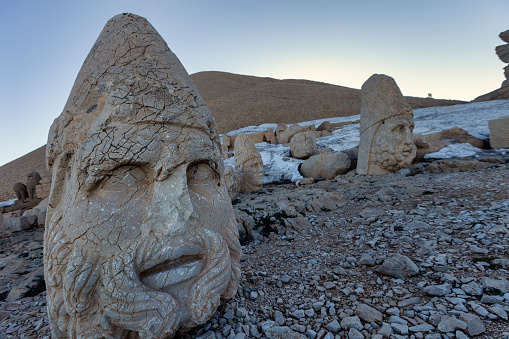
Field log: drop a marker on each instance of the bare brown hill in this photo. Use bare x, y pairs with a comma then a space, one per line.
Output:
239, 100
17, 171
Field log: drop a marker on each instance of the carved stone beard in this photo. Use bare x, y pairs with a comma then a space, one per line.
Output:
391, 157
118, 303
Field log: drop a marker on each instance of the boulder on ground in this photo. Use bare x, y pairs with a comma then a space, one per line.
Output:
325, 126
325, 166
430, 143
284, 136
499, 132
303, 145
270, 136
39, 212
18, 224
399, 266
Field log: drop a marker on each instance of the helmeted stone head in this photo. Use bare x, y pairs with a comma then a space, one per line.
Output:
140, 240
386, 128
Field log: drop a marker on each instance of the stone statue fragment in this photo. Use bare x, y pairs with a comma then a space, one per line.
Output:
21, 192
33, 180
141, 240
386, 139
248, 161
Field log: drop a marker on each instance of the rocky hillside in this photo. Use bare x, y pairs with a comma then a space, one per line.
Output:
239, 100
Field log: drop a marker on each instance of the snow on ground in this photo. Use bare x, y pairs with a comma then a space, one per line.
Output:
472, 117
7, 203
453, 151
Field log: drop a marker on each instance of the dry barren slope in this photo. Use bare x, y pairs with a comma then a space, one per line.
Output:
17, 171
240, 100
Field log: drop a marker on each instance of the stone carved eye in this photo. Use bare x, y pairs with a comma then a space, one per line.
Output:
399, 129
128, 179
202, 173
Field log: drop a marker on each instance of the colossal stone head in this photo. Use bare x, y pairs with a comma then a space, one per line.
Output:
140, 240
386, 138
248, 161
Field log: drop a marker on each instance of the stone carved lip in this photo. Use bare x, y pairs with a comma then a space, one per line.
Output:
183, 263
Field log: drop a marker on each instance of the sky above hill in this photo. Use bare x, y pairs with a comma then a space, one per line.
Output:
441, 47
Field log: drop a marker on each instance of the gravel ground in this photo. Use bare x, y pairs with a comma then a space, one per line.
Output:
317, 259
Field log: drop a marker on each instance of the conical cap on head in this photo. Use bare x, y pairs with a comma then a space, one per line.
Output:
381, 99
130, 76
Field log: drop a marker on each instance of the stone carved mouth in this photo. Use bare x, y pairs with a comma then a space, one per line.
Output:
184, 262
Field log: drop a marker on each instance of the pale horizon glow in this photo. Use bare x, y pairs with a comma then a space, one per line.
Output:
446, 48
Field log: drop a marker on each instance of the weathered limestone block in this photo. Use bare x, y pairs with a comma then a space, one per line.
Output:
325, 126
325, 166
284, 136
248, 161
270, 136
18, 224
39, 212
43, 189
386, 139
303, 145
499, 132
141, 239
33, 180
4, 232
257, 137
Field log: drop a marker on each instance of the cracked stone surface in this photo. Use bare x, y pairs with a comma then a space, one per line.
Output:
141, 239
387, 122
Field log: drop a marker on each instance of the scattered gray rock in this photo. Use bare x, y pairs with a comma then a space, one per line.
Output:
399, 266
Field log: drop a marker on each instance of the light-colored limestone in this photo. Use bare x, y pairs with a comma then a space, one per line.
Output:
43, 189
386, 139
248, 161
325, 166
141, 239
499, 132
303, 145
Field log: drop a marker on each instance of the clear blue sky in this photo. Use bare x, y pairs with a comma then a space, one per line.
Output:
443, 47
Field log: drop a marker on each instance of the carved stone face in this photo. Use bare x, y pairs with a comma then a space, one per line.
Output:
393, 146
142, 238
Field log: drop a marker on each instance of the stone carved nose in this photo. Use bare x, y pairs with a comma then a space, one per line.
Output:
172, 212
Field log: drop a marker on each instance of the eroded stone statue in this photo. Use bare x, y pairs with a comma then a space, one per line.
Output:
386, 138
21, 192
141, 240
33, 179
249, 163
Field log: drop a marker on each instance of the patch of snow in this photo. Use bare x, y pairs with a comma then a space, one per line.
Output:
472, 117
454, 151
7, 203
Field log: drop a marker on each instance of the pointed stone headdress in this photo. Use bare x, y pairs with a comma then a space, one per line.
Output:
381, 100
130, 76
